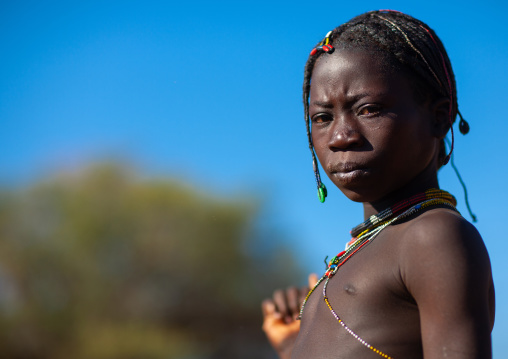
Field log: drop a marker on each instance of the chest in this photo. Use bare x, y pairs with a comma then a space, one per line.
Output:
367, 294
368, 281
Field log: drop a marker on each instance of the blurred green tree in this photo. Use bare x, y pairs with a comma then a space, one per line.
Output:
102, 265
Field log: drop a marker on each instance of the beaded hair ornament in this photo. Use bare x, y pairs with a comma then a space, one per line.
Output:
325, 47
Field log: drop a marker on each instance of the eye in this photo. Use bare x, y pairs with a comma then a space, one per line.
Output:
321, 118
369, 110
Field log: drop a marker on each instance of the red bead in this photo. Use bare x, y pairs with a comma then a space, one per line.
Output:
328, 48
313, 52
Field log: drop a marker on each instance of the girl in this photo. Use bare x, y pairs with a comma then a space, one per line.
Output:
415, 280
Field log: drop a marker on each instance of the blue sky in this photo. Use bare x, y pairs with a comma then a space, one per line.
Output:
210, 92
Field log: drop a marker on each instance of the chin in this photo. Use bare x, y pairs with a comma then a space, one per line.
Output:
359, 187
361, 194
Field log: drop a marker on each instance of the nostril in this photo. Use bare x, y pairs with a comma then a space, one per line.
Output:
345, 138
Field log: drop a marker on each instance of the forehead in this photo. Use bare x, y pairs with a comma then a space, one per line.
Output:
348, 70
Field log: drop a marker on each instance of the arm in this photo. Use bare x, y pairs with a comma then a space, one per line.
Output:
446, 268
280, 315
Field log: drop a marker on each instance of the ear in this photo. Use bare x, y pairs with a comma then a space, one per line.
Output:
441, 117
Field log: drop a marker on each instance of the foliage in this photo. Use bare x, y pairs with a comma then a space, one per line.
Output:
102, 265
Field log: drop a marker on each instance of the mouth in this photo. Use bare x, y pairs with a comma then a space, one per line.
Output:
348, 172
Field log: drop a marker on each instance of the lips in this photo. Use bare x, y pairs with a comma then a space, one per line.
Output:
347, 172
344, 167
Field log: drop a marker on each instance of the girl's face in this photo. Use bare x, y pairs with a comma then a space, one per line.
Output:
370, 135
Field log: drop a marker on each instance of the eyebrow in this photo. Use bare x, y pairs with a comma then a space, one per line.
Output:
350, 99
322, 104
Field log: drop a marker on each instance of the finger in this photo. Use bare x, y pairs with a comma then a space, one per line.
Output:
292, 294
271, 318
269, 309
280, 300
313, 279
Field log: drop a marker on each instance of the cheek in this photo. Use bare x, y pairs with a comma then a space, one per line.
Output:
318, 149
405, 147
319, 140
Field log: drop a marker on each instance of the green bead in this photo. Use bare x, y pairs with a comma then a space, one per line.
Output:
322, 192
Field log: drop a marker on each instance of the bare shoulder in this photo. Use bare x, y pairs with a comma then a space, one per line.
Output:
441, 219
442, 234
446, 268
442, 241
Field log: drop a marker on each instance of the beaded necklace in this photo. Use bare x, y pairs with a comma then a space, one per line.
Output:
365, 233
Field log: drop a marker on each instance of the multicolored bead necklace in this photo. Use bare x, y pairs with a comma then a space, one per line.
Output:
402, 206
365, 233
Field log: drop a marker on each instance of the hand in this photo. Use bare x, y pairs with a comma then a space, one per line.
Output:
280, 314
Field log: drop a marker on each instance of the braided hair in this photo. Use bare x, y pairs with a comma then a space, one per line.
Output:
409, 44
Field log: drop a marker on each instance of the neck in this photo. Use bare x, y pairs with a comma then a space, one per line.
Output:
425, 180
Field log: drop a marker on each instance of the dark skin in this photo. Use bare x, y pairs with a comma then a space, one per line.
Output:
423, 288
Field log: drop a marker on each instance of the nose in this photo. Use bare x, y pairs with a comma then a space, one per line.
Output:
345, 135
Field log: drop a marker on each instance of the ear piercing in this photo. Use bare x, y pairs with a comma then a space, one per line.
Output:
463, 125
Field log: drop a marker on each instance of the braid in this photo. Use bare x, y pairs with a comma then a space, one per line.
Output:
410, 44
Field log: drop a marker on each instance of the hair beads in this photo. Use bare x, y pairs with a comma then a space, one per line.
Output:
323, 46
